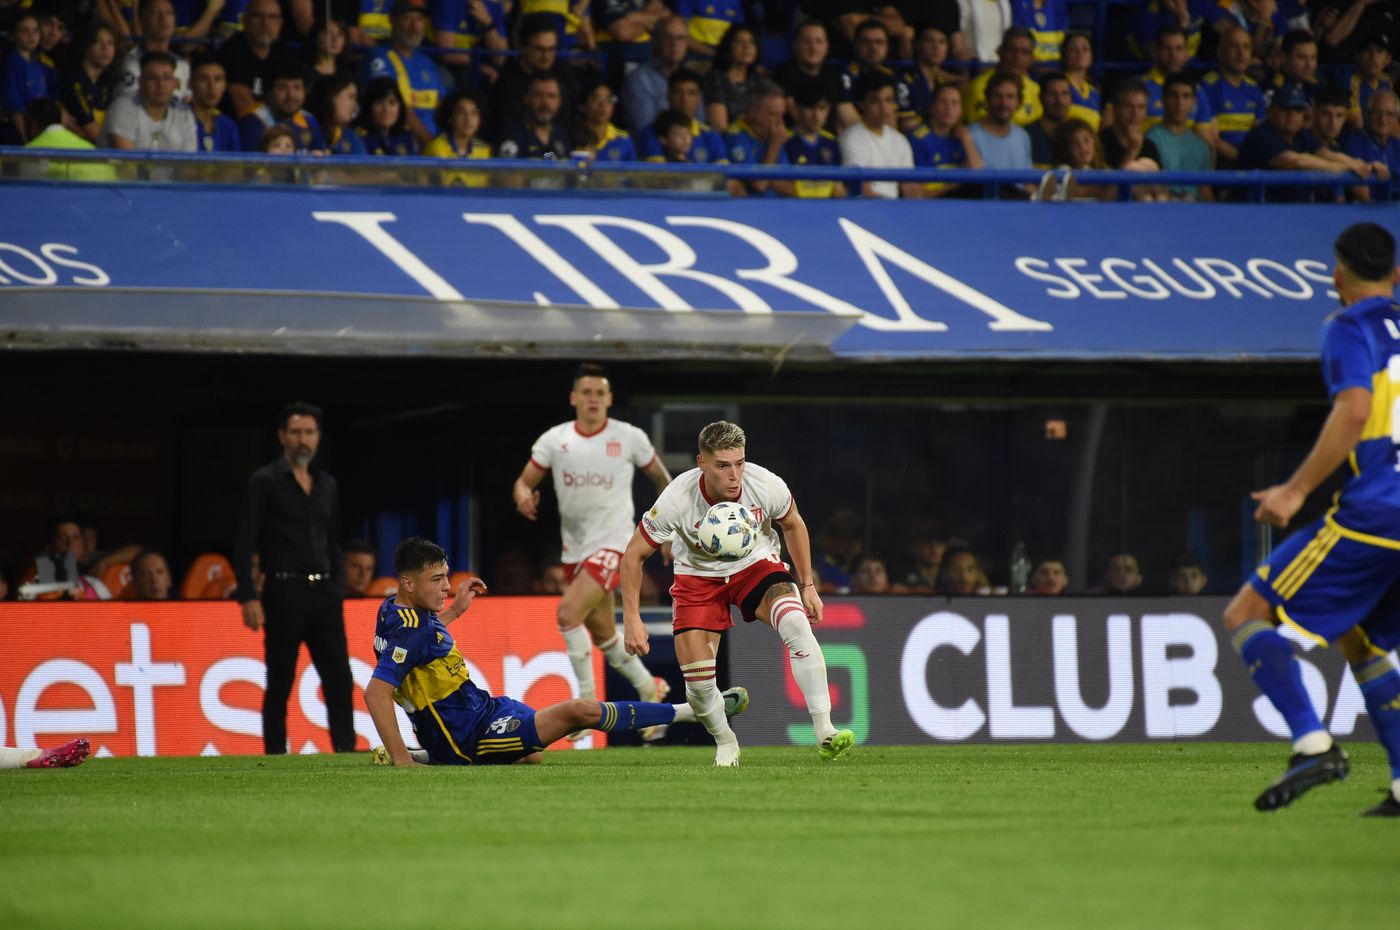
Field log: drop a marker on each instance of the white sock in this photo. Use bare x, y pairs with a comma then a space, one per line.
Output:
706, 700
580, 649
685, 713
16, 758
808, 663
630, 667
1395, 789
1310, 744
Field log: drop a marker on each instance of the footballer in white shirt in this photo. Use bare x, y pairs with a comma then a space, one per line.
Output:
759, 584
593, 458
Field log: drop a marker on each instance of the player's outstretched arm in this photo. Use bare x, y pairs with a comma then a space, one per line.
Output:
1350, 410
527, 498
379, 698
634, 631
658, 474
462, 599
799, 547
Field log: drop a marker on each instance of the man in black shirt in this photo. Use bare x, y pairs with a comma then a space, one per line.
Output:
248, 55
539, 136
291, 520
1280, 143
539, 49
808, 65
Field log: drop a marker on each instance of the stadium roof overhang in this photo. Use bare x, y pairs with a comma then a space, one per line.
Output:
308, 323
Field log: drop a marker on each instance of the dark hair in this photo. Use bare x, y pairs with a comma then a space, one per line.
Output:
376, 90
41, 113
449, 106
1296, 37
298, 408
1131, 86
1367, 250
532, 25
60, 520
149, 3
724, 52
1003, 77
274, 132
1065, 135
540, 77
416, 553
1187, 559
202, 58
361, 546
87, 38
1168, 30
155, 58
1179, 79
323, 92
866, 25
871, 82
665, 121
593, 369
1330, 95
810, 94
1050, 77
146, 553
684, 76
285, 68
1016, 32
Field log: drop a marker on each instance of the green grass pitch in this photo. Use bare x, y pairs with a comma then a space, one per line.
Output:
1111, 836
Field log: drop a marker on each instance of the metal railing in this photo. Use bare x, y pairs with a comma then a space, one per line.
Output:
515, 175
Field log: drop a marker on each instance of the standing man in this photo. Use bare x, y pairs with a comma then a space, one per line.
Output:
1335, 579
291, 521
759, 584
593, 458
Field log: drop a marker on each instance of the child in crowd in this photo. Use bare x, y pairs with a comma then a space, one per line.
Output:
810, 143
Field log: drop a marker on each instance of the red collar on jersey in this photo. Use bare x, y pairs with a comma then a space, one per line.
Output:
706, 496
594, 433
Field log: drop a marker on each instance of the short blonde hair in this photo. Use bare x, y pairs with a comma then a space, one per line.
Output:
721, 435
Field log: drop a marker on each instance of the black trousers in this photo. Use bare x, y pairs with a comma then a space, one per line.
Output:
296, 613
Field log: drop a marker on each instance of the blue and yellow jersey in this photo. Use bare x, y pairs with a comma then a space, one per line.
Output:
616, 145
1309, 88
1048, 20
745, 148
444, 146
1201, 113
1153, 15
566, 22
87, 100
710, 19
223, 137
1362, 91
975, 100
822, 151
345, 142
453, 16
607, 12
934, 151
374, 19
232, 14
25, 79
418, 657
1237, 107
1085, 102
903, 98
707, 148
305, 130
420, 81
1361, 348
396, 143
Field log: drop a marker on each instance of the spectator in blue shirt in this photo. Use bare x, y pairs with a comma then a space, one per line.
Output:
644, 89
811, 144
1280, 143
683, 93
286, 95
25, 76
335, 102
383, 122
595, 131
539, 135
91, 81
1377, 145
757, 138
404, 60
216, 131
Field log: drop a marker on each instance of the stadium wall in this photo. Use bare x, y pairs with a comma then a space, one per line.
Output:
910, 280
917, 670
186, 678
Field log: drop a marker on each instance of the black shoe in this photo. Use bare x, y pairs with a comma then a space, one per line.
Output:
1304, 773
1387, 808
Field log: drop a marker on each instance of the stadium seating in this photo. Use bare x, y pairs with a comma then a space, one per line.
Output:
204, 572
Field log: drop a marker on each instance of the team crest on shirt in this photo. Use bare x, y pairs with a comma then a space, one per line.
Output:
504, 725
400, 654
614, 448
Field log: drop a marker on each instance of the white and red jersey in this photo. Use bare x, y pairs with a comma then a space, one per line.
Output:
675, 518
593, 482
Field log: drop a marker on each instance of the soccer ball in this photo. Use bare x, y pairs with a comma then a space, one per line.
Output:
727, 531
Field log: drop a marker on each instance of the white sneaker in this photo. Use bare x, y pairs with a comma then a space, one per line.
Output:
727, 755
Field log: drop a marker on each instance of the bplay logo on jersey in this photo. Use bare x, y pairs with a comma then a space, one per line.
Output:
587, 479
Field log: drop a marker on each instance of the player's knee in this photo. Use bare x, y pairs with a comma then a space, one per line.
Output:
1245, 606
584, 712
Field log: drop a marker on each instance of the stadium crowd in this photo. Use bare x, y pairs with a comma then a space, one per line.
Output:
1010, 84
71, 565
